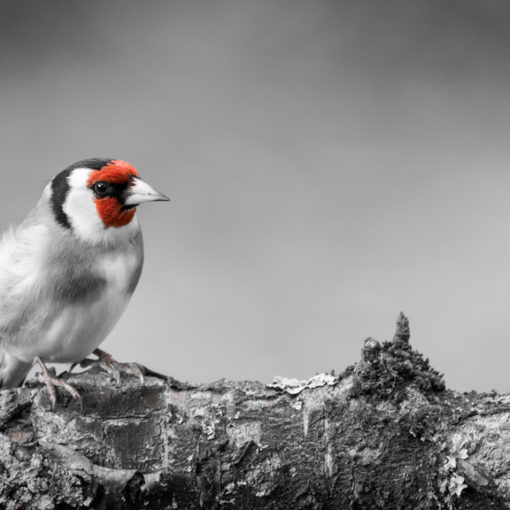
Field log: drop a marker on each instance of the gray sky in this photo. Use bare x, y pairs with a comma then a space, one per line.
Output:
330, 163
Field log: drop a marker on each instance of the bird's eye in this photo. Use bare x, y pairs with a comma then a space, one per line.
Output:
101, 188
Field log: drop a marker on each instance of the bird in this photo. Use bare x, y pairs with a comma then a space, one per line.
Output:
68, 271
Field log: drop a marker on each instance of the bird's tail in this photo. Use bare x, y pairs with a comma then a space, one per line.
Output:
12, 370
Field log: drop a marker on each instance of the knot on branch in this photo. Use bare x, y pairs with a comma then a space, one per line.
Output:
371, 350
386, 370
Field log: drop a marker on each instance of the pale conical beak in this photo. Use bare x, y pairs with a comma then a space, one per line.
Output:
140, 191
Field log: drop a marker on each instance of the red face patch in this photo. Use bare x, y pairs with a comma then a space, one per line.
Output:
110, 211
116, 172
109, 208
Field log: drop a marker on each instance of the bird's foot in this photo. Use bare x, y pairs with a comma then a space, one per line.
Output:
49, 377
107, 363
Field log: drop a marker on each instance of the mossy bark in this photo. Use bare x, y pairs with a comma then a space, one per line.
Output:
384, 434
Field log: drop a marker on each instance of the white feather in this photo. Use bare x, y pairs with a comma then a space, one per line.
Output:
72, 332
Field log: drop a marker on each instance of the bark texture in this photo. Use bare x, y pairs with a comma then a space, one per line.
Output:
384, 434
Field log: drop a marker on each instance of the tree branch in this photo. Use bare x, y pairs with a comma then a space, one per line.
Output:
384, 434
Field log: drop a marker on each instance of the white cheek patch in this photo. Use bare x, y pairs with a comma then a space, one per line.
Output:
80, 206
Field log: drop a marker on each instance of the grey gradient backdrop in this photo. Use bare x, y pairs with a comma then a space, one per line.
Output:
329, 162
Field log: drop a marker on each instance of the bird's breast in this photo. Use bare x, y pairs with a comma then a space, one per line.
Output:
74, 318
120, 271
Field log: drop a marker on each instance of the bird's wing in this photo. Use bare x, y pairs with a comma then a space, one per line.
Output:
20, 263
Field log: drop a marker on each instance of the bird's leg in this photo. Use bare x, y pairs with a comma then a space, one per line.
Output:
49, 377
113, 367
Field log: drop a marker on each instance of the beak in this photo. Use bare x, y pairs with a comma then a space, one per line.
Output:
140, 191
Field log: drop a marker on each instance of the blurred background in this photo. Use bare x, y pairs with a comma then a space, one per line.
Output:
330, 163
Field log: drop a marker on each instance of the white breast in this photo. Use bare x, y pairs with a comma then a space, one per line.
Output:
72, 332
118, 268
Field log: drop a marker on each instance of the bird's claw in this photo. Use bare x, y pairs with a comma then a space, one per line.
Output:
114, 368
50, 379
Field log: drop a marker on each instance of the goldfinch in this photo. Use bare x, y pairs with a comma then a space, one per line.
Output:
68, 271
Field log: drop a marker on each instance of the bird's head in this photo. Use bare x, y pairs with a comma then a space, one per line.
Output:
97, 198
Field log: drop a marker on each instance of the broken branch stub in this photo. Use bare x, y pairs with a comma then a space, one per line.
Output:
403, 333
